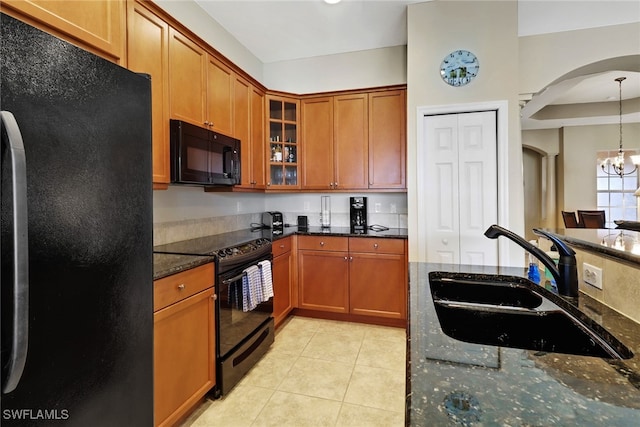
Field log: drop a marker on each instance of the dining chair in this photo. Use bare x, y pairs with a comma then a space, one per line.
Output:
570, 220
591, 219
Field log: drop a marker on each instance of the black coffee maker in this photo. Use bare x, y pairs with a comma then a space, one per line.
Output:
358, 212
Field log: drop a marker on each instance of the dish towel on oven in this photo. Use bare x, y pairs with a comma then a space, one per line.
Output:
251, 288
267, 280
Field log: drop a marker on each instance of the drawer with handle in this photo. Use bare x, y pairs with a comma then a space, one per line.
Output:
323, 243
376, 245
281, 246
174, 288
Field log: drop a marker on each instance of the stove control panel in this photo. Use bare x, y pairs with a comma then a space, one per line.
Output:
243, 249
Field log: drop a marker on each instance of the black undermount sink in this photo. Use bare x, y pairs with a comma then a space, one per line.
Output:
513, 312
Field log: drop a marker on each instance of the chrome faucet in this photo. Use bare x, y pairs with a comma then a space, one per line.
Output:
565, 274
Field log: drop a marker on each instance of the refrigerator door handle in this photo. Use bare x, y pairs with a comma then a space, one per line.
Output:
20, 339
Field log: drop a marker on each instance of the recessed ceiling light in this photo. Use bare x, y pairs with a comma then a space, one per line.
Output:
332, 1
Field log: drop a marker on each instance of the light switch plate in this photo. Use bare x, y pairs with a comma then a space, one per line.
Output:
592, 275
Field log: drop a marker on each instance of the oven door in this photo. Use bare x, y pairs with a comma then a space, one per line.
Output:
234, 324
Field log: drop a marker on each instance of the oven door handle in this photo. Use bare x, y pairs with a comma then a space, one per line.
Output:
233, 279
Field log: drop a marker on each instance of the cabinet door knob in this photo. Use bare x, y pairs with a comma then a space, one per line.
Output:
181, 286
214, 296
281, 246
345, 258
321, 243
445, 242
375, 245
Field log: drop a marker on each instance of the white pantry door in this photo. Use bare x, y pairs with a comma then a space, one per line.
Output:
461, 187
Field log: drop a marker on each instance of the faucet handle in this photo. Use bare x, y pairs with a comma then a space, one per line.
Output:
562, 247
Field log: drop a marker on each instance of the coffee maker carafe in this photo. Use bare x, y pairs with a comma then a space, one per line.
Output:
358, 211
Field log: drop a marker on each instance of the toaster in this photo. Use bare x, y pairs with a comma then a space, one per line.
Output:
274, 221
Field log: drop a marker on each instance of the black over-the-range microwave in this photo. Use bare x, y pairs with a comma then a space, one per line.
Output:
202, 157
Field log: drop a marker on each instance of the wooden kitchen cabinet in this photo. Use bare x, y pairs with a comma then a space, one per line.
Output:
184, 342
283, 271
187, 79
387, 139
317, 134
359, 276
334, 133
354, 141
378, 277
323, 278
220, 90
351, 141
97, 26
282, 131
248, 113
148, 52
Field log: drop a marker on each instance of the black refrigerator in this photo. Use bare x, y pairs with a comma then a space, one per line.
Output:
76, 243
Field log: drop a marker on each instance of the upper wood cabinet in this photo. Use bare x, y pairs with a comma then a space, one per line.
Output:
284, 150
187, 79
248, 127
354, 141
220, 91
317, 134
201, 86
387, 139
335, 145
148, 52
350, 141
97, 25
258, 149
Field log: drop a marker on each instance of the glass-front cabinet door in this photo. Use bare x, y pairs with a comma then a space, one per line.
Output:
283, 142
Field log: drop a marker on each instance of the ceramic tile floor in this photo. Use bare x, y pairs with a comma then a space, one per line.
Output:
318, 373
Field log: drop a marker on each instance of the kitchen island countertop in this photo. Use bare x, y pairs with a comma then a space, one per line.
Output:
450, 382
618, 244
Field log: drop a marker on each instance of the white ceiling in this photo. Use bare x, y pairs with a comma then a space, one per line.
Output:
278, 30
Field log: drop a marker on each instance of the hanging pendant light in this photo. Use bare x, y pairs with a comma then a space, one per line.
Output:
618, 163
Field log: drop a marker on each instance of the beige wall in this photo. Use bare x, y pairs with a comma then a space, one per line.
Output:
189, 14
434, 30
578, 147
368, 68
547, 57
620, 289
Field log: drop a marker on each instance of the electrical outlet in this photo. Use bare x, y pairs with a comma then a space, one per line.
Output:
307, 206
378, 207
393, 208
238, 206
592, 275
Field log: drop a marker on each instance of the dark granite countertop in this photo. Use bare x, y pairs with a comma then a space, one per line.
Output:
391, 233
619, 244
501, 386
168, 264
174, 257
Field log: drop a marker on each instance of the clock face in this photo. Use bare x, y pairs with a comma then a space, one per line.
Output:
459, 67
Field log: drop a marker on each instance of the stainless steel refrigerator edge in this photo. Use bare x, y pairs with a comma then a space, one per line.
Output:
88, 323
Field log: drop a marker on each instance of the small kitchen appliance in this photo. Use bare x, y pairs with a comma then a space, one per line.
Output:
358, 214
275, 221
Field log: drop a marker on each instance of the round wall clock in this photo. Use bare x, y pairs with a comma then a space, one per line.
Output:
459, 67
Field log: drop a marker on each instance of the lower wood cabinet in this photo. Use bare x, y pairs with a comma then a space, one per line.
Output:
283, 270
184, 342
378, 277
360, 276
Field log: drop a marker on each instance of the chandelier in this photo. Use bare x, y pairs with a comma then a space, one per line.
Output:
617, 163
